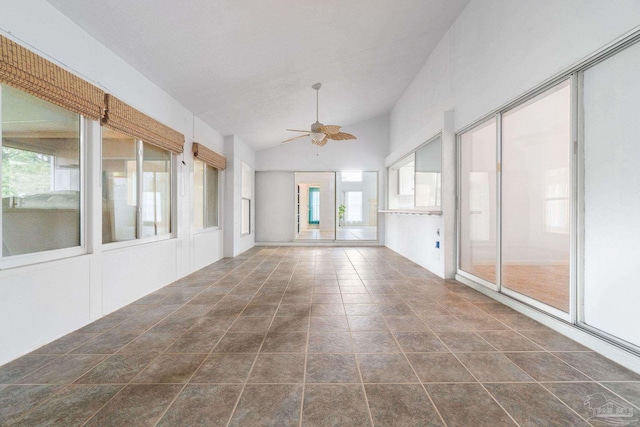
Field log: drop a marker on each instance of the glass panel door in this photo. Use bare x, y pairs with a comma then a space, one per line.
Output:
478, 202
315, 217
536, 198
357, 213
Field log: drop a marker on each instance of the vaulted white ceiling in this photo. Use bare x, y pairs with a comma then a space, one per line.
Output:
246, 66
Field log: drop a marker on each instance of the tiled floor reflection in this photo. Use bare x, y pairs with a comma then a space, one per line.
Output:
316, 337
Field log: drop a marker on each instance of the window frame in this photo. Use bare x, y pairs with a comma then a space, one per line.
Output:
397, 191
55, 254
246, 168
204, 228
140, 239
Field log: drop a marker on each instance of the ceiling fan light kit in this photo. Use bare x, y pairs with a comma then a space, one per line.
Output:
319, 132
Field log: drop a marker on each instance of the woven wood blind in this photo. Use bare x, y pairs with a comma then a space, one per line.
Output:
124, 118
31, 73
210, 157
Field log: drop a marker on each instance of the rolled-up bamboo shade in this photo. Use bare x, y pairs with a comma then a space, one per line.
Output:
31, 73
124, 118
208, 156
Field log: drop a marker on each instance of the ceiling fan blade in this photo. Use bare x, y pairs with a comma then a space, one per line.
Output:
296, 130
296, 137
330, 129
341, 136
320, 143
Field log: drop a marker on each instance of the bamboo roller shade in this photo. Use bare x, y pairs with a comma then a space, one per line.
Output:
124, 118
210, 157
31, 73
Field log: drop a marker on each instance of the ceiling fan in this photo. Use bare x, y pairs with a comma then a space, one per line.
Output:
320, 133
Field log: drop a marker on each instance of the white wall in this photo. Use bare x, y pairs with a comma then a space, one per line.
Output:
495, 51
237, 152
367, 153
41, 302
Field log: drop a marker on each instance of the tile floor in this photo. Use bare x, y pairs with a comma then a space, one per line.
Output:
316, 337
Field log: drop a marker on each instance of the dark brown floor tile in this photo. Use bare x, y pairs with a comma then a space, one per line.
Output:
590, 400
196, 341
492, 367
467, 405
598, 367
482, 322
385, 368
290, 324
136, 404
150, 343
170, 368
106, 343
117, 369
327, 309
404, 405
71, 407
17, 400
330, 342
374, 342
214, 323
429, 309
251, 324
544, 366
276, 405
278, 368
532, 405
224, 368
63, 370
367, 323
66, 343
202, 405
362, 309
509, 341
419, 342
285, 342
405, 324
334, 405
464, 341
553, 341
444, 323
628, 391
24, 365
327, 299
439, 367
294, 310
519, 322
332, 368
105, 323
328, 324
239, 343
357, 298
205, 299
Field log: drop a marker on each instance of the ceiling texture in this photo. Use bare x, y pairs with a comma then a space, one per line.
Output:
246, 67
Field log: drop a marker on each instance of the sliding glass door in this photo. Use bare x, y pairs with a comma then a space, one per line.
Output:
515, 201
478, 206
357, 205
536, 198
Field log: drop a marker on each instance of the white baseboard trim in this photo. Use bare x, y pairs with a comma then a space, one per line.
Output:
321, 243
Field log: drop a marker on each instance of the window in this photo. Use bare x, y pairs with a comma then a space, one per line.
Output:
247, 190
415, 182
353, 211
205, 195
133, 208
41, 175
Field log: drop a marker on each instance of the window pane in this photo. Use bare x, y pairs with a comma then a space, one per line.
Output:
211, 185
535, 197
354, 207
40, 175
119, 187
198, 194
247, 181
478, 201
357, 206
428, 175
156, 191
246, 216
401, 184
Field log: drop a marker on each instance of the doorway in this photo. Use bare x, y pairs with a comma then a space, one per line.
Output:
315, 206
